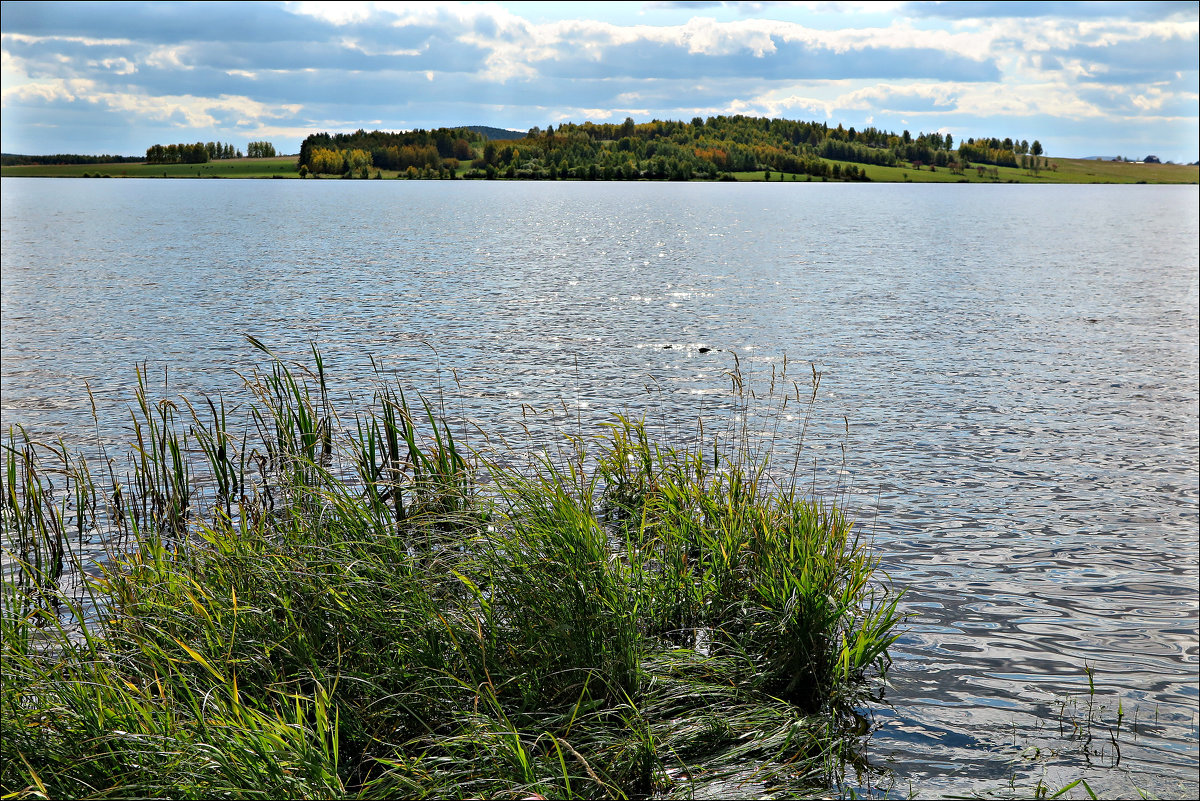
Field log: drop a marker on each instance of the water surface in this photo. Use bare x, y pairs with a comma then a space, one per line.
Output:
1012, 372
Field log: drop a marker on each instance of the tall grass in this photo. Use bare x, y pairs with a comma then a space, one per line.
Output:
327, 607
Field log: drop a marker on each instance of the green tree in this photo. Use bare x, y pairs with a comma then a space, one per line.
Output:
260, 150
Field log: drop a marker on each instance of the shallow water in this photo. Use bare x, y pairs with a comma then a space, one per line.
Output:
1011, 371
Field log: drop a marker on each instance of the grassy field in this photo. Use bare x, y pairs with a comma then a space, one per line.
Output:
329, 606
278, 167
1089, 171
1061, 171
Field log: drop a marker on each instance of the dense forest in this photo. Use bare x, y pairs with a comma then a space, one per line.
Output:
712, 148
441, 150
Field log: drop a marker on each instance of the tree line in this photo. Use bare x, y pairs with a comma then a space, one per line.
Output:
204, 152
17, 160
198, 153
706, 148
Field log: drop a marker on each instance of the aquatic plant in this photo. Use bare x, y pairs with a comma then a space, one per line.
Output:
326, 607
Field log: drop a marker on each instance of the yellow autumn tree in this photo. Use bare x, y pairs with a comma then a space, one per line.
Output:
325, 160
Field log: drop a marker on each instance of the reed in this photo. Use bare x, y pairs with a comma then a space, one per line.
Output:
319, 607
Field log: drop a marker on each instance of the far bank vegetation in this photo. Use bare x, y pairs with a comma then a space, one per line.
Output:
716, 148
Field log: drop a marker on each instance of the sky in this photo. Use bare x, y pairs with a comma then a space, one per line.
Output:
1083, 78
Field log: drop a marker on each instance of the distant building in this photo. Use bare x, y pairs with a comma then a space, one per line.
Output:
1152, 160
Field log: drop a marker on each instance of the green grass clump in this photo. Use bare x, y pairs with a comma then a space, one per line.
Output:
319, 607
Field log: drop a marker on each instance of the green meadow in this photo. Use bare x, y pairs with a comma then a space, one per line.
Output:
1060, 171
226, 168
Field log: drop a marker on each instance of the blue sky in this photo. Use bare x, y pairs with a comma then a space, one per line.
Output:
1086, 78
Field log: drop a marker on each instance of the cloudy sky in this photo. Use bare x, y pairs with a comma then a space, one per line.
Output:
1087, 78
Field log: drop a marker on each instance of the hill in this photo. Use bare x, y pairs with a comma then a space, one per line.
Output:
495, 133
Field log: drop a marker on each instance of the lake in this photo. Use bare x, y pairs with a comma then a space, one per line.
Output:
1009, 400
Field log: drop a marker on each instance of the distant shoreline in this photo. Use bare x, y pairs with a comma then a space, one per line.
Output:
1061, 171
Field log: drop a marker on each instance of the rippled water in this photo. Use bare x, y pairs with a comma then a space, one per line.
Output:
1017, 368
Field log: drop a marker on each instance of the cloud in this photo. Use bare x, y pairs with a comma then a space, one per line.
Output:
66, 57
313, 66
121, 66
1150, 56
790, 61
162, 23
1148, 103
769, 8
188, 110
984, 9
935, 102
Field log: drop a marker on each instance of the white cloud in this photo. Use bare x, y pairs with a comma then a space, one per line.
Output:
790, 105
706, 36
932, 99
196, 112
49, 91
168, 58
515, 46
336, 13
120, 66
1000, 100
880, 95
91, 42
12, 70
